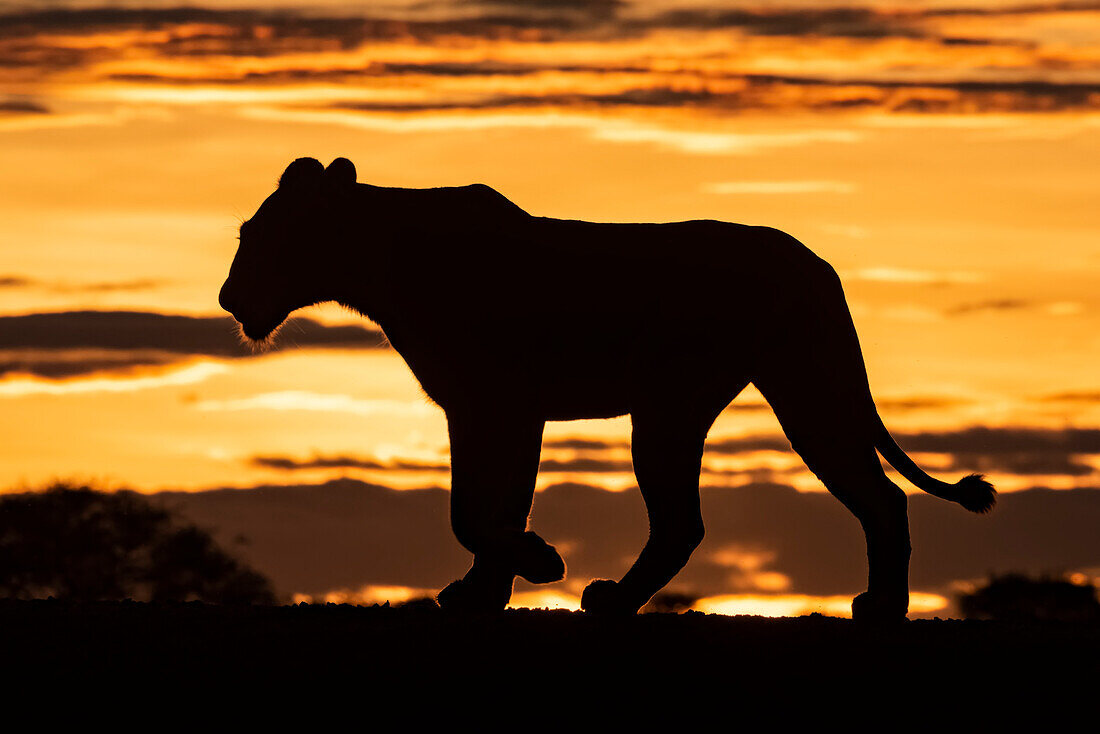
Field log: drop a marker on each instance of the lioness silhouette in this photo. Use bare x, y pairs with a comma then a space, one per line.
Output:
510, 320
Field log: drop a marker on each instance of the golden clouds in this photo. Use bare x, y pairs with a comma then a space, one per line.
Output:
837, 60
18, 387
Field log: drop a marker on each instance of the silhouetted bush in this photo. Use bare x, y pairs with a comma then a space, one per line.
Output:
1014, 597
77, 544
420, 603
670, 602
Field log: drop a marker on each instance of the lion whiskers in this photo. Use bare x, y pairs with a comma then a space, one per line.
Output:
259, 346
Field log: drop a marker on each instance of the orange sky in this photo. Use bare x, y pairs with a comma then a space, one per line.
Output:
943, 162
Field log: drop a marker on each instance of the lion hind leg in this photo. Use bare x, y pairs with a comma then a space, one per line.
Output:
881, 508
825, 428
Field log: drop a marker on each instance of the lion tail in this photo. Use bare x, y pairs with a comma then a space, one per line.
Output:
972, 491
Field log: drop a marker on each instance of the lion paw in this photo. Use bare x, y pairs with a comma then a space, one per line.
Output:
606, 598
871, 608
466, 596
537, 561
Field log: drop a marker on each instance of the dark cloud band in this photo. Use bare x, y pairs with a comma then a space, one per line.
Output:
1023, 451
107, 286
53, 344
343, 534
1015, 451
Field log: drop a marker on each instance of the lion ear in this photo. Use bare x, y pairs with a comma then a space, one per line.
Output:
303, 172
340, 173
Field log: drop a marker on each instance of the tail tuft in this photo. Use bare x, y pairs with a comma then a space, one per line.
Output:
975, 494
972, 492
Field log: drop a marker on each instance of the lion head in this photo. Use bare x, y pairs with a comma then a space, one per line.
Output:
285, 247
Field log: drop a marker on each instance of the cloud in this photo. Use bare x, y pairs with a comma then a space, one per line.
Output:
135, 284
1065, 308
1003, 440
576, 465
70, 343
595, 9
636, 97
617, 130
366, 70
837, 22
20, 106
1018, 451
736, 407
921, 402
555, 461
1021, 8
1075, 396
586, 465
584, 444
995, 304
1023, 463
936, 96
190, 375
70, 363
926, 73
888, 274
15, 122
347, 534
716, 446
779, 187
642, 86
196, 30
745, 444
1022, 451
286, 463
299, 400
743, 92
213, 336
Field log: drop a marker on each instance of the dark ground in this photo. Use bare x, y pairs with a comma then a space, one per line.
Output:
250, 647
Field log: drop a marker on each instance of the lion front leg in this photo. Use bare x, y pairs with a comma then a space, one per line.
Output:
494, 463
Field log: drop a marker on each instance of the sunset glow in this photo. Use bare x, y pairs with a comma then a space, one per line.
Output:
797, 605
